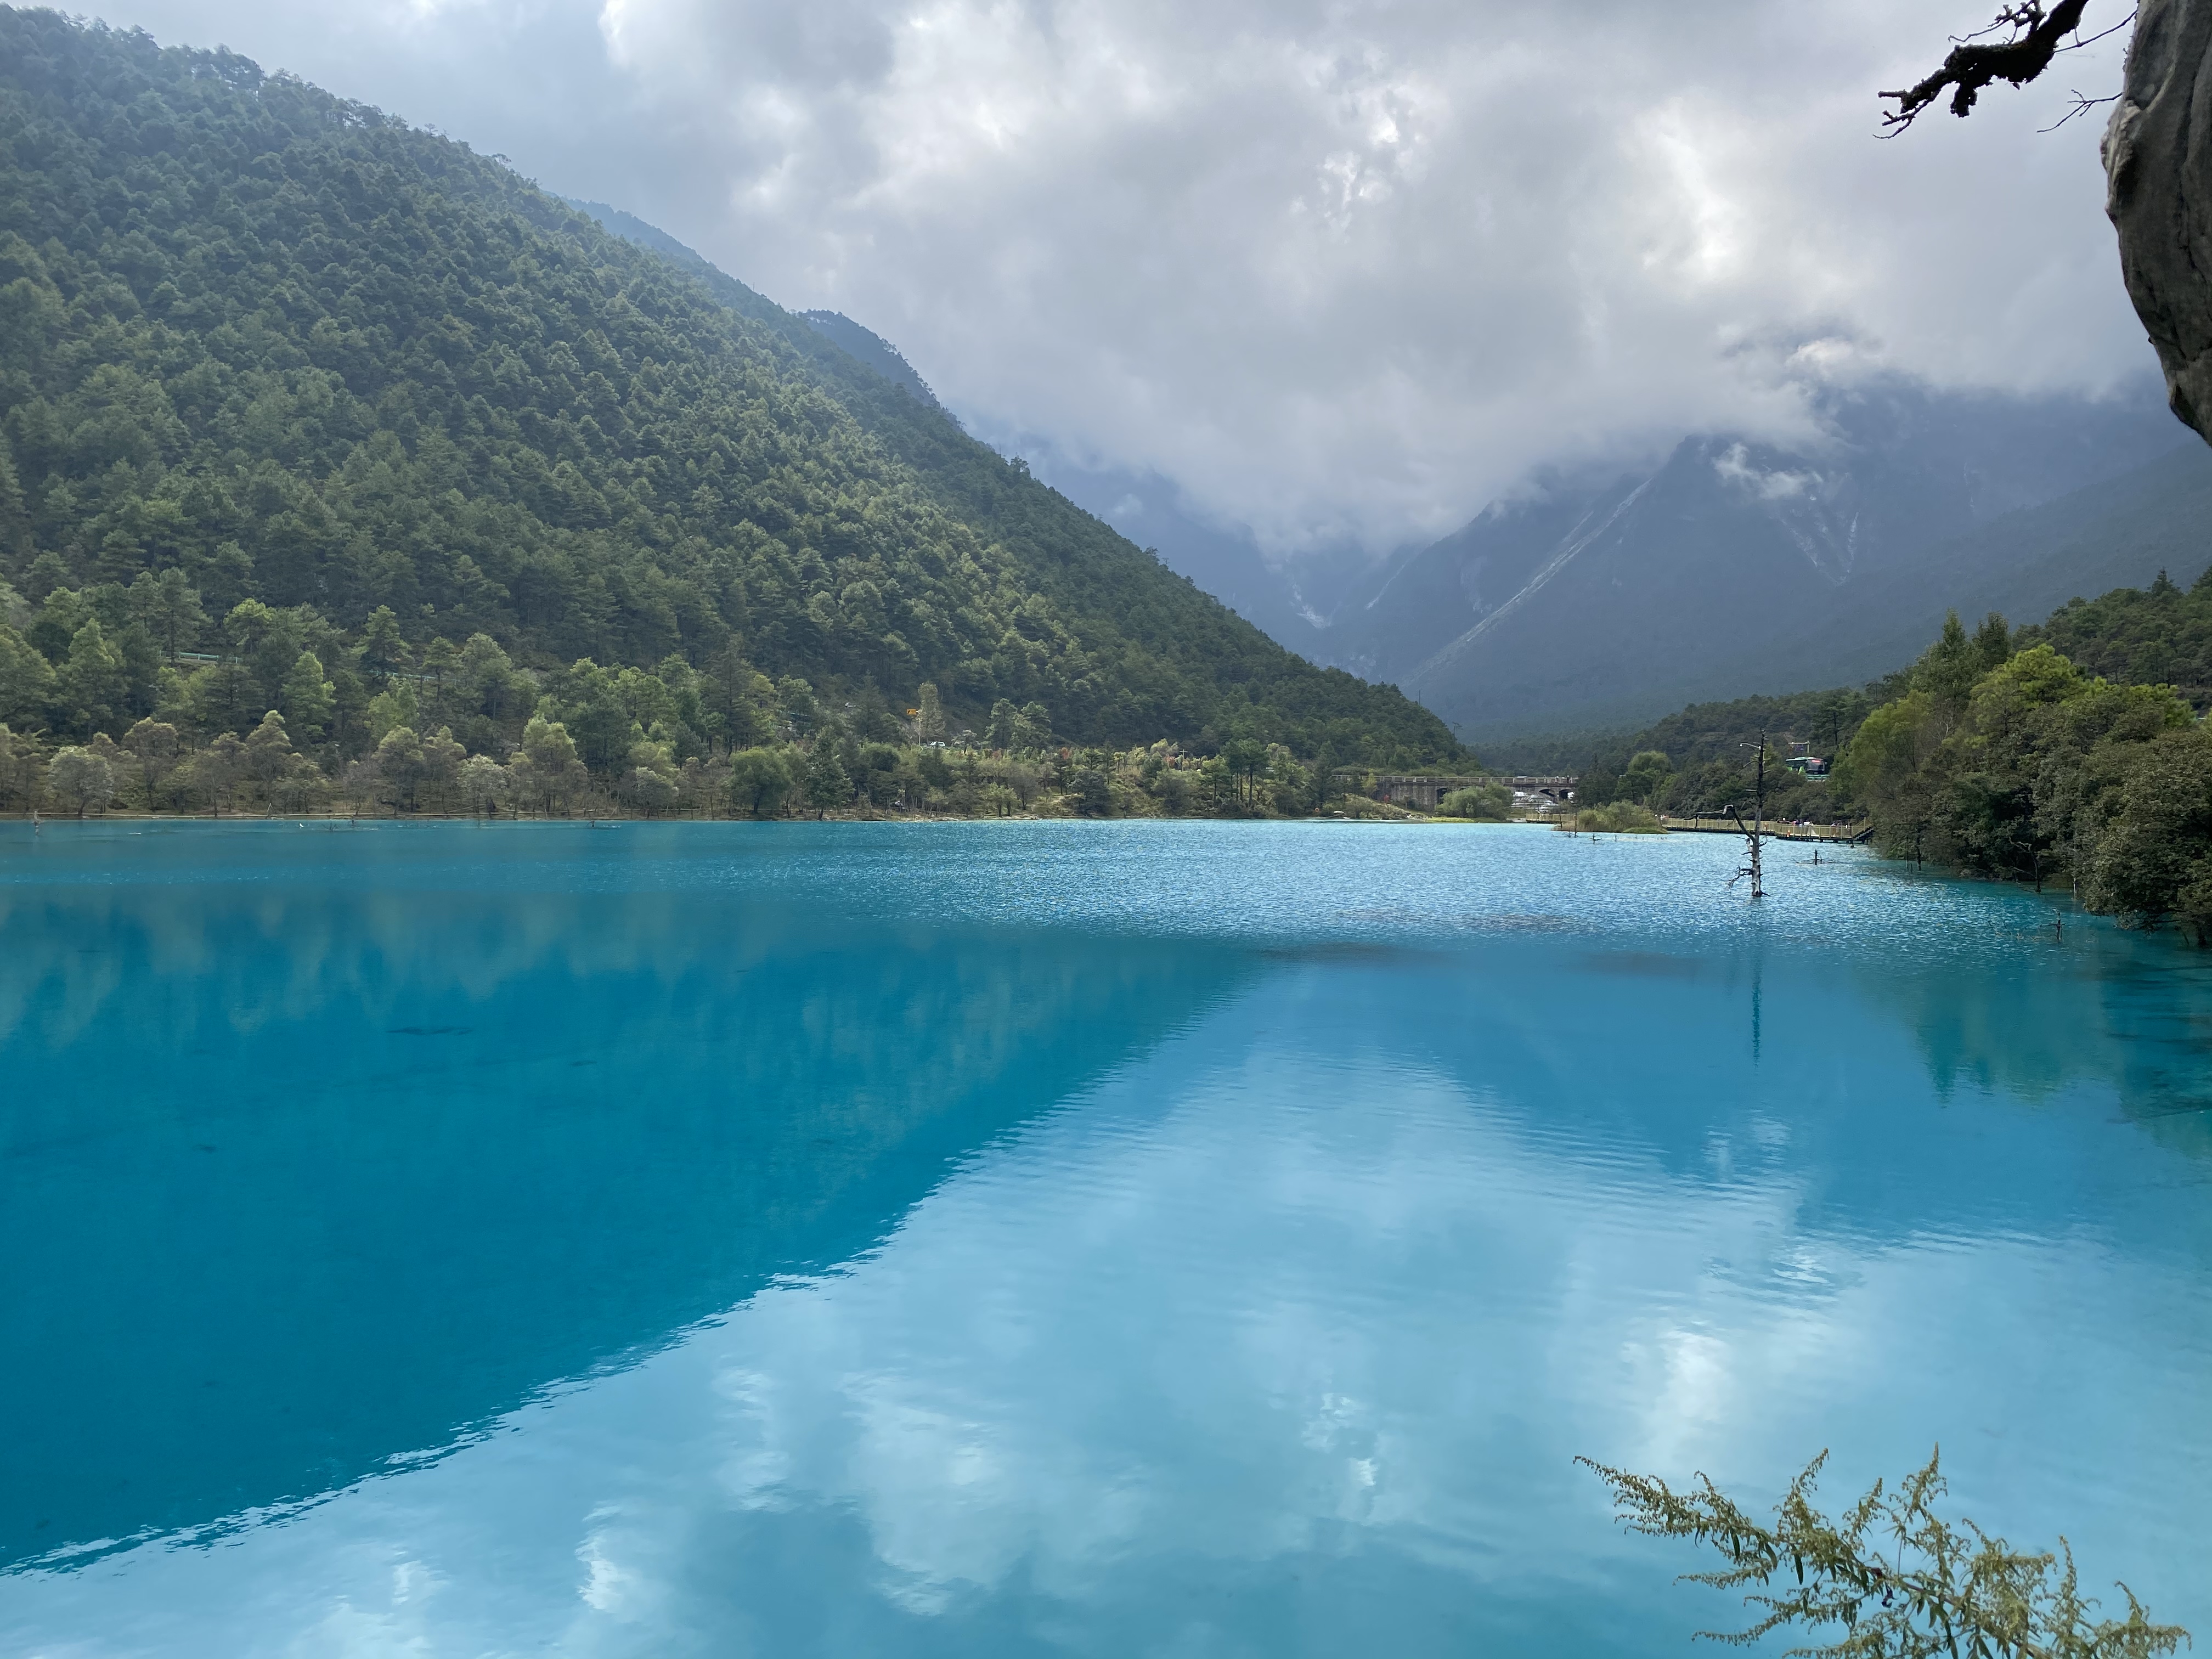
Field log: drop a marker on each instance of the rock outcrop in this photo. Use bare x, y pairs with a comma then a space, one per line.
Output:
2158, 163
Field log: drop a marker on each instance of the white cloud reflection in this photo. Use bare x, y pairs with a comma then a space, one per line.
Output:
1241, 1320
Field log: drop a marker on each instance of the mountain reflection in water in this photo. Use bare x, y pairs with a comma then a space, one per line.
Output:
272, 1217
1043, 1239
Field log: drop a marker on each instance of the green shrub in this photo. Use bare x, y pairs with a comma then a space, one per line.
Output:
761, 782
1489, 801
1620, 818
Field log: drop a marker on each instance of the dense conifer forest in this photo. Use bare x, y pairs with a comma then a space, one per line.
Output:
311, 413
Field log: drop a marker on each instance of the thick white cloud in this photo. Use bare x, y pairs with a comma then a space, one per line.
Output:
1338, 268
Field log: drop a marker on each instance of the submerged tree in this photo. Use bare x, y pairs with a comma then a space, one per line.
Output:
1900, 1580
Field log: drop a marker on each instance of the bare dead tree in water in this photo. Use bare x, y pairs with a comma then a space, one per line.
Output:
1756, 833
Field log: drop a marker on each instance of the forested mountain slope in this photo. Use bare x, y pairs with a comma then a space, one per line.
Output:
2158, 635
306, 355
1144, 506
871, 349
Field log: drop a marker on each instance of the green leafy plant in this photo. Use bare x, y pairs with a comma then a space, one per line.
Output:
1489, 801
1620, 818
1902, 1582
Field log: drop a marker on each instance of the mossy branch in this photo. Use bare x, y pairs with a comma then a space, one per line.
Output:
1974, 64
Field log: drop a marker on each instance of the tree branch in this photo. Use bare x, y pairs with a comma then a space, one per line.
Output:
2083, 105
1941, 1591
1974, 64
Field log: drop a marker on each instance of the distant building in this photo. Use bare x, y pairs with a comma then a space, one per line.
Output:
1553, 789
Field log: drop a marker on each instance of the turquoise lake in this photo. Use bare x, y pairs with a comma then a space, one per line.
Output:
1027, 1239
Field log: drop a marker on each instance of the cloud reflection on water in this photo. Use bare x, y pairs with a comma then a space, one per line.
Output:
1296, 1321
1274, 1336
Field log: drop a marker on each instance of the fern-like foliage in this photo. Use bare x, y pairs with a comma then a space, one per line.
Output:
1900, 1580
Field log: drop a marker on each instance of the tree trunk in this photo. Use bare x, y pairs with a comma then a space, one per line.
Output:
2158, 164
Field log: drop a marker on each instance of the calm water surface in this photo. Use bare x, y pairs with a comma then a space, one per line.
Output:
1024, 1239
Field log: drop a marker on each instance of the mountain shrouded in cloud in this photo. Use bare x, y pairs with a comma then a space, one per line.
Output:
1741, 567
1341, 273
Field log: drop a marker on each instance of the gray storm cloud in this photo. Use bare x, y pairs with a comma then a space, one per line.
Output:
1341, 271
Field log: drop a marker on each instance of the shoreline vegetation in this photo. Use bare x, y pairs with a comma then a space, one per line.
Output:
2071, 753
463, 732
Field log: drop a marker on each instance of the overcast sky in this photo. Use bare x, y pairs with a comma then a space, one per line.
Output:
1339, 268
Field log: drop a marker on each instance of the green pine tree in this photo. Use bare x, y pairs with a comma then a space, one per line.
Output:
827, 784
308, 698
